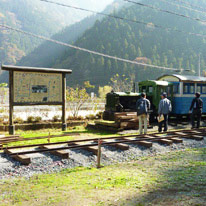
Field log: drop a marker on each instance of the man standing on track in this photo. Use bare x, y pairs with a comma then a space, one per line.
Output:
142, 105
196, 109
165, 108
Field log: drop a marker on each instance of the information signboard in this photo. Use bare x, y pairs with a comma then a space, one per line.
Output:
36, 86
33, 87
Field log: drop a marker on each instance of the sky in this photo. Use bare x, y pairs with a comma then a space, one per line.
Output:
77, 15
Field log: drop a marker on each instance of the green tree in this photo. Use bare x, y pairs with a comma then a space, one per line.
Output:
76, 97
3, 91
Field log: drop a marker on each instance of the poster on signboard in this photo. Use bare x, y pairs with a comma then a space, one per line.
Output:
33, 87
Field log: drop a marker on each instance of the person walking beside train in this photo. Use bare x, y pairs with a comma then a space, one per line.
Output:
143, 106
164, 109
196, 110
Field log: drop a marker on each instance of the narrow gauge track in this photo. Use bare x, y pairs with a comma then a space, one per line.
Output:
91, 145
16, 138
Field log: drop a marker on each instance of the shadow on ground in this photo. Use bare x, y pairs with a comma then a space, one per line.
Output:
177, 184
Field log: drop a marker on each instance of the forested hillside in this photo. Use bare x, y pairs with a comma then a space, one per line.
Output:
135, 41
48, 53
38, 17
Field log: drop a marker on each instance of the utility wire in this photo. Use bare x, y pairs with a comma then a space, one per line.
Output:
166, 11
87, 50
189, 4
128, 20
185, 7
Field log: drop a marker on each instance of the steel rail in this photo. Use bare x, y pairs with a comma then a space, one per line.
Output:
191, 132
35, 138
103, 144
65, 135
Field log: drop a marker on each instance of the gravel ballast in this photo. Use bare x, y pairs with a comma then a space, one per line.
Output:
46, 163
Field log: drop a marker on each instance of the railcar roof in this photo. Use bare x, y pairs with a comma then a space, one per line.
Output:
127, 94
160, 83
186, 78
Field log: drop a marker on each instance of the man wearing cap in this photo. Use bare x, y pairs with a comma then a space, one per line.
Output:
143, 106
196, 109
165, 108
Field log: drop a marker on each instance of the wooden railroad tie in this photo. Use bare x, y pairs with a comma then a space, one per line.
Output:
149, 137
165, 141
197, 137
162, 141
180, 133
176, 140
93, 149
120, 146
7, 140
194, 136
141, 143
61, 153
24, 159
197, 132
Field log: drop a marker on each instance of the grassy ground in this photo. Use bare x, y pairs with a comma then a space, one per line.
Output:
78, 132
176, 178
74, 133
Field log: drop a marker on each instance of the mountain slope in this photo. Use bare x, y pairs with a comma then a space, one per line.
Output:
38, 17
135, 41
48, 53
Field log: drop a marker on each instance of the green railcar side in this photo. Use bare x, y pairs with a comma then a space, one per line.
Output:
153, 90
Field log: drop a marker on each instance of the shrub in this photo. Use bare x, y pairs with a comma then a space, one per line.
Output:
99, 115
2, 110
18, 120
75, 118
38, 119
56, 118
91, 117
1, 119
80, 118
30, 119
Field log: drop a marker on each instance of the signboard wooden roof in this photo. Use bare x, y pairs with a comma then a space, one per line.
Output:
34, 69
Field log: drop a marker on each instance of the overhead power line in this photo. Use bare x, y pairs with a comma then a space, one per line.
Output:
166, 11
128, 20
189, 4
87, 50
185, 7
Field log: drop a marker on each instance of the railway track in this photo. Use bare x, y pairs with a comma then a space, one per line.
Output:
21, 153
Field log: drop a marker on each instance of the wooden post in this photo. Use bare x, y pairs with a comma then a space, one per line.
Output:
64, 124
49, 138
99, 153
11, 100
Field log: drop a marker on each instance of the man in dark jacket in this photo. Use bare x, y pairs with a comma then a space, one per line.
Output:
143, 106
164, 109
196, 109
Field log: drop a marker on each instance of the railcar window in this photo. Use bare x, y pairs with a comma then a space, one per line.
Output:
176, 88
144, 88
188, 88
204, 89
169, 91
199, 88
192, 89
150, 89
185, 89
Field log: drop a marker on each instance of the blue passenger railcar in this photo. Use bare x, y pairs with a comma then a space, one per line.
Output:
184, 89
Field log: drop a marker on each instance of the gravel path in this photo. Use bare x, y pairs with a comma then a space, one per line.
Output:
46, 163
